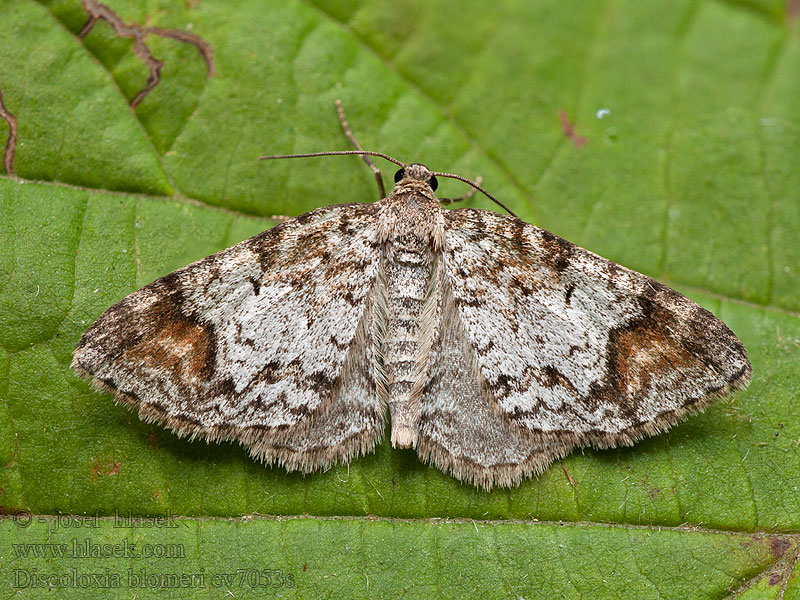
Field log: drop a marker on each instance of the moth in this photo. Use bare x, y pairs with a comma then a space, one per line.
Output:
494, 346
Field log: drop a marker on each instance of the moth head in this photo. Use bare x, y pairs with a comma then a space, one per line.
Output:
417, 172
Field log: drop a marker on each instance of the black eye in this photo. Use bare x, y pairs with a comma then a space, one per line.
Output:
399, 175
433, 183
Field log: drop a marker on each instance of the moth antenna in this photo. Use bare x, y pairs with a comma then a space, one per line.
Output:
349, 135
336, 153
365, 153
477, 187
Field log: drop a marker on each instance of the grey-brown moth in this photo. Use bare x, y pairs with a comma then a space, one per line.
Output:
494, 346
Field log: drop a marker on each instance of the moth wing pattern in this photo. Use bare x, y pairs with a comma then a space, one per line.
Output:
573, 349
264, 343
510, 346
460, 431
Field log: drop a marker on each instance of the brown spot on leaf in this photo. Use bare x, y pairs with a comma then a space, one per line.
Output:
138, 34
775, 579
778, 546
152, 440
569, 130
11, 141
104, 469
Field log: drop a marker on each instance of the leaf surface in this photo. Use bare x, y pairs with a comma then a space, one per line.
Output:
686, 172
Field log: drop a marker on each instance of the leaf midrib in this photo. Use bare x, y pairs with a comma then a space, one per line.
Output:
792, 535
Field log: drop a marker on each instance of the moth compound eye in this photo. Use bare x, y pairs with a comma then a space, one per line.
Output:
433, 182
399, 175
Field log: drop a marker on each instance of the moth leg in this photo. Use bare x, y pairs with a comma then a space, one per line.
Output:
366, 159
467, 196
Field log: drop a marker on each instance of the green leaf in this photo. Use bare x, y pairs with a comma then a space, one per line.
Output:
688, 173
359, 558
